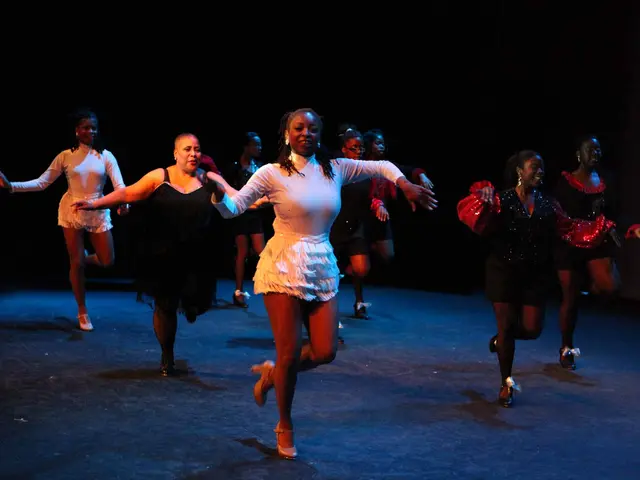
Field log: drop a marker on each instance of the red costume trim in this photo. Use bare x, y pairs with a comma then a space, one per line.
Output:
578, 185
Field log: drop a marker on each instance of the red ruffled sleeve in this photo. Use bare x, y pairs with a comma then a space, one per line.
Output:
631, 232
582, 233
476, 214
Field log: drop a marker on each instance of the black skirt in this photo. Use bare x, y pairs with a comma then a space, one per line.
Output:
517, 283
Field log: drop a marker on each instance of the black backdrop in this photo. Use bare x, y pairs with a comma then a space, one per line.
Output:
455, 94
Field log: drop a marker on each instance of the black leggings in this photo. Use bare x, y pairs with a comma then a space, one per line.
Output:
165, 325
515, 322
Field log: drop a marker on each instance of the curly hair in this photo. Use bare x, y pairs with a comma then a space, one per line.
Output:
284, 157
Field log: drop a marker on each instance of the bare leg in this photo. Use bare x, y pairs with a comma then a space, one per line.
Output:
532, 323
322, 319
604, 276
257, 242
506, 319
359, 266
569, 282
242, 251
385, 250
285, 315
74, 240
103, 245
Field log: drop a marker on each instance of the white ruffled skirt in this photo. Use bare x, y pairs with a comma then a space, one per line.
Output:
94, 221
297, 265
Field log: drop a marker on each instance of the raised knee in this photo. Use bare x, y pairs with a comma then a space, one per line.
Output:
325, 356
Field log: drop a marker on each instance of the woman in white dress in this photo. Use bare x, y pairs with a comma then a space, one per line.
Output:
297, 271
86, 167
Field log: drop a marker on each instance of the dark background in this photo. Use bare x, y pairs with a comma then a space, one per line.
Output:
455, 92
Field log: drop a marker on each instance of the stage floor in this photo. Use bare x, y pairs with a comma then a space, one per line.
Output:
411, 394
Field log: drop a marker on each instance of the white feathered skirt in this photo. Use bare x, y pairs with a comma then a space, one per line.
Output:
298, 265
94, 221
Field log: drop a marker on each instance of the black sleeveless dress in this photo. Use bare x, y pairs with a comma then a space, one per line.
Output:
175, 268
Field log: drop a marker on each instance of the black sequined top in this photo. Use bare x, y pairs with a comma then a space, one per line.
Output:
517, 237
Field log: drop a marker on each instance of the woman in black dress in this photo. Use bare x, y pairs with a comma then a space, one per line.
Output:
522, 224
177, 223
584, 194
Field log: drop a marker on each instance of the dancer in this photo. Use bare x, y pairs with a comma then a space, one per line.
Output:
248, 226
177, 219
583, 194
383, 192
521, 223
297, 271
86, 166
348, 230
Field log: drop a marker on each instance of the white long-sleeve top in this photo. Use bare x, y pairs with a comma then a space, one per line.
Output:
304, 204
86, 171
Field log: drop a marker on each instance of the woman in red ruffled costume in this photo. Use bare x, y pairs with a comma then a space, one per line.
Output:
583, 194
522, 224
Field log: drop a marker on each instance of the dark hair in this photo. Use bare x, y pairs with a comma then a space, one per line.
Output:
369, 139
248, 136
516, 160
584, 138
76, 117
284, 157
349, 134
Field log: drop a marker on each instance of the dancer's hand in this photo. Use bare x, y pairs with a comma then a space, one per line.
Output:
4, 182
216, 185
83, 205
382, 214
636, 232
417, 194
215, 177
425, 182
123, 209
487, 194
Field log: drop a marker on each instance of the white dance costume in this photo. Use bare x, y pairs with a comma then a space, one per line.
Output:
298, 260
86, 171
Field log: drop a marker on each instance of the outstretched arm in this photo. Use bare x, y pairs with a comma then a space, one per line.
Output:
356, 170
43, 181
231, 202
140, 190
